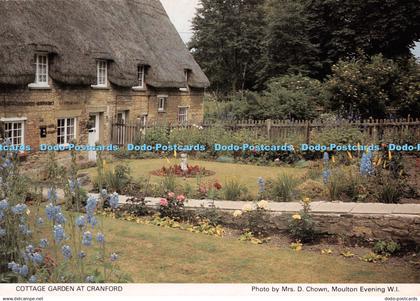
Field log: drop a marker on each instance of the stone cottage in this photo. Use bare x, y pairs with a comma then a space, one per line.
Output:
70, 67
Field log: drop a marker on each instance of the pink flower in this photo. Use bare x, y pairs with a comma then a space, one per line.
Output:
163, 202
171, 195
180, 198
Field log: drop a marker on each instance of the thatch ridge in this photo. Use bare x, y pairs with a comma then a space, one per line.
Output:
76, 32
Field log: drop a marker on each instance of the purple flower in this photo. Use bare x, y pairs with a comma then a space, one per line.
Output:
58, 233
19, 209
52, 195
43, 243
66, 250
2, 232
80, 221
32, 279
87, 238
23, 270
114, 200
100, 238
114, 256
37, 258
4, 204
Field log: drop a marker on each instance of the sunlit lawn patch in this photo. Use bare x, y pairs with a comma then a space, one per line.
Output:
154, 254
245, 174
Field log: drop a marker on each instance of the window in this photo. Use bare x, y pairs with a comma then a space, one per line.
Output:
101, 73
143, 120
14, 131
66, 130
122, 116
185, 89
140, 76
41, 74
161, 103
182, 114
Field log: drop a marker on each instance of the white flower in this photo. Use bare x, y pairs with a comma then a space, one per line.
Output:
237, 213
247, 208
262, 204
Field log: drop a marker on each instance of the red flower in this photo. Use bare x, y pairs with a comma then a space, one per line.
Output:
217, 185
180, 198
171, 195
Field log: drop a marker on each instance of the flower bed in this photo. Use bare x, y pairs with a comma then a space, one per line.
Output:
176, 170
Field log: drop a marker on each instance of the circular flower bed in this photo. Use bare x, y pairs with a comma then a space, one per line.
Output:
192, 171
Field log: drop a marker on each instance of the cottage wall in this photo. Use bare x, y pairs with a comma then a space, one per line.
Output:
42, 108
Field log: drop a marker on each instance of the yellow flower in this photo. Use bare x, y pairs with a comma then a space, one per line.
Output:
296, 216
247, 208
306, 200
237, 213
262, 204
297, 246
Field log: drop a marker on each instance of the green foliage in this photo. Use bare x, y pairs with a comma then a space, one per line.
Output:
386, 248
115, 179
366, 87
301, 225
282, 188
227, 42
257, 222
234, 190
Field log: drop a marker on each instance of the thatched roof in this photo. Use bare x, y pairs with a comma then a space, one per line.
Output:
76, 32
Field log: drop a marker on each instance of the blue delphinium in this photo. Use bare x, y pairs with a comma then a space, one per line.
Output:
261, 184
43, 243
14, 267
52, 195
82, 254
19, 209
114, 256
60, 219
52, 211
92, 220
90, 279
366, 165
4, 204
326, 173
23, 270
100, 238
37, 258
29, 248
73, 184
66, 250
114, 200
87, 238
91, 205
58, 233
2, 232
104, 193
80, 221
32, 279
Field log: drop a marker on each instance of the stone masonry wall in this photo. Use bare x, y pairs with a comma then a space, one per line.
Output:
376, 227
42, 108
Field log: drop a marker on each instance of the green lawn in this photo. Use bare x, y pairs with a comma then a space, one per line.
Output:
152, 254
246, 174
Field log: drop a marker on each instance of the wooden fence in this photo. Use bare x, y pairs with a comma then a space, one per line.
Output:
372, 130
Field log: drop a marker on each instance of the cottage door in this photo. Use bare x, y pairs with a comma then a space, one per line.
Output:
93, 137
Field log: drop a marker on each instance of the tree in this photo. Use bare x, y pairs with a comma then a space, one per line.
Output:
368, 87
345, 28
227, 42
287, 45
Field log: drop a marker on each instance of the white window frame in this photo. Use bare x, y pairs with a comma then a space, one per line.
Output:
65, 127
101, 74
141, 78
184, 116
12, 122
41, 71
162, 102
143, 120
186, 75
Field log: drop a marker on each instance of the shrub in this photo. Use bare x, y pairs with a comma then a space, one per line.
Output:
386, 248
234, 190
301, 225
390, 192
169, 183
282, 189
172, 206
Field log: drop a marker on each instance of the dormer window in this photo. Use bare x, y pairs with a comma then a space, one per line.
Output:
186, 75
101, 73
41, 71
141, 76
141, 72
